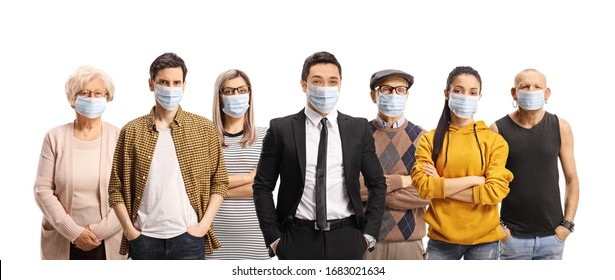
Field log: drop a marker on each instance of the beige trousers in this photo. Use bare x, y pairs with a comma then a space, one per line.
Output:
403, 250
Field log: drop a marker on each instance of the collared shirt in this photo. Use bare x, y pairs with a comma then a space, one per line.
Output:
396, 124
338, 202
200, 159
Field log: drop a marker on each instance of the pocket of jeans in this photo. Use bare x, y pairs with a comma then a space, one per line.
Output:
507, 241
192, 236
558, 240
137, 238
136, 247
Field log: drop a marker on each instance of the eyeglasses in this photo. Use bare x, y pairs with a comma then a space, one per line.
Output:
88, 93
400, 90
239, 90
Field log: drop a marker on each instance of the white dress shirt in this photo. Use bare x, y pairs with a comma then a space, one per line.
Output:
338, 202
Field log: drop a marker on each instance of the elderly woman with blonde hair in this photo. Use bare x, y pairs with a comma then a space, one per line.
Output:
73, 175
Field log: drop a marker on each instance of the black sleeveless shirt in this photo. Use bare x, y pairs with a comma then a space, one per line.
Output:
533, 205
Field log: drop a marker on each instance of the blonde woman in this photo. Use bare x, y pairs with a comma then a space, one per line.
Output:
241, 140
73, 175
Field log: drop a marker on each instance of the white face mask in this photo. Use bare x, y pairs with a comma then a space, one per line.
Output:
90, 107
236, 105
463, 106
168, 97
323, 98
391, 105
531, 100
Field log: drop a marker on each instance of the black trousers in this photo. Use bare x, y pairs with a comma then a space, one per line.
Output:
97, 253
301, 241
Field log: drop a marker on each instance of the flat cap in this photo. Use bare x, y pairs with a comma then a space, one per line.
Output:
380, 76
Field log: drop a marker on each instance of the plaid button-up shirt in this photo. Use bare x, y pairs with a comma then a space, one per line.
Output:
200, 159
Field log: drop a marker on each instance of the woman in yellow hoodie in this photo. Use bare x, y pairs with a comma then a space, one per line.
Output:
460, 167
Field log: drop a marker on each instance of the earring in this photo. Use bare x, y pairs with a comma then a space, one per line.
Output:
514, 103
546, 101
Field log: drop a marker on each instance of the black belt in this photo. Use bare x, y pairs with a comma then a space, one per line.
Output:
331, 224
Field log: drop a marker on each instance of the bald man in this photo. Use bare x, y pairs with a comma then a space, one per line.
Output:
536, 227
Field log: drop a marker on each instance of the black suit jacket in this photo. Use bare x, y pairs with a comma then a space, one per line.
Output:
283, 154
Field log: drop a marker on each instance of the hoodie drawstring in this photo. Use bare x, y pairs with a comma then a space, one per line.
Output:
448, 137
448, 134
482, 162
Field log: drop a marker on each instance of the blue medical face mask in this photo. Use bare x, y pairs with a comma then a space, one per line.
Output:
323, 98
90, 107
168, 97
236, 105
391, 105
531, 100
463, 106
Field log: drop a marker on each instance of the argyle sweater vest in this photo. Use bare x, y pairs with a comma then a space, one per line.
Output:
395, 149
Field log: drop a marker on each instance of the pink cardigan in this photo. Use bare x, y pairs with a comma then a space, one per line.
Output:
53, 191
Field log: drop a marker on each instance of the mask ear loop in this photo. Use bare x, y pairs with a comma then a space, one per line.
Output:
514, 103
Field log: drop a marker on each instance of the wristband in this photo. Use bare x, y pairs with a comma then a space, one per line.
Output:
568, 224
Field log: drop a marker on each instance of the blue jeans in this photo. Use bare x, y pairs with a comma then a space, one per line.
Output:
439, 250
181, 247
532, 248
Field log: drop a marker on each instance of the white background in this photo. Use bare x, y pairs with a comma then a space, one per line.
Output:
43, 42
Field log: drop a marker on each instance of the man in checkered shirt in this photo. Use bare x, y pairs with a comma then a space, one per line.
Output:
169, 177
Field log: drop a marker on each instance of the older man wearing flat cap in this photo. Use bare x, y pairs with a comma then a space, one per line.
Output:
403, 228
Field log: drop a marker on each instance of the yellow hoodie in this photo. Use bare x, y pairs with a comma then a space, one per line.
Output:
455, 221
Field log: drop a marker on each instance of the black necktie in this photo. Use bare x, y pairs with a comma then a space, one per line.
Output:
321, 177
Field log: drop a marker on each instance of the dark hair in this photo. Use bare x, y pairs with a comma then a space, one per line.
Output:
319, 58
445, 118
167, 60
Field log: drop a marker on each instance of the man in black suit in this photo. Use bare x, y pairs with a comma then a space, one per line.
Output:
319, 214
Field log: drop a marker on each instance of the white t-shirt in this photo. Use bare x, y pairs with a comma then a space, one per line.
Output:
165, 210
